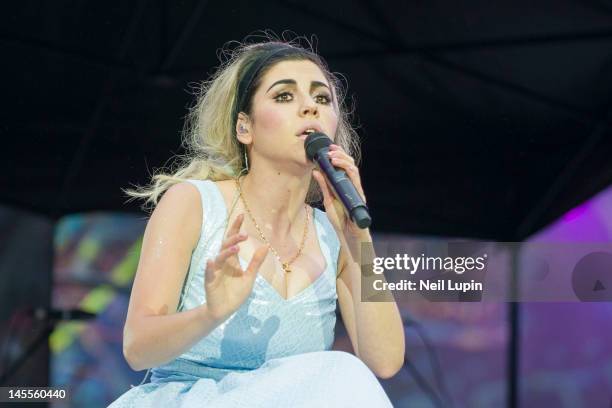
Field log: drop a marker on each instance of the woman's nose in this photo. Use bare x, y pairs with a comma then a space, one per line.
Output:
309, 108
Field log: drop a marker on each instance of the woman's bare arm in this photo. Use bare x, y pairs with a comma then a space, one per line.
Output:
375, 329
154, 332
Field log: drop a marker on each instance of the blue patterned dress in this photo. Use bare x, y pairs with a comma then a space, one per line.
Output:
272, 352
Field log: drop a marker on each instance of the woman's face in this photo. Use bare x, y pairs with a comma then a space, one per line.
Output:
293, 96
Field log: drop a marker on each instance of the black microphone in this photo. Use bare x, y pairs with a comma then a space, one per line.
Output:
317, 148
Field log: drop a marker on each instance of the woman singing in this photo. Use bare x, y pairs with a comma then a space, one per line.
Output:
234, 299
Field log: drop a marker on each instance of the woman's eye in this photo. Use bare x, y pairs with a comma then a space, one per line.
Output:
288, 97
284, 97
324, 99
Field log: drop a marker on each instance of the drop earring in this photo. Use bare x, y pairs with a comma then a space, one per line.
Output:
242, 129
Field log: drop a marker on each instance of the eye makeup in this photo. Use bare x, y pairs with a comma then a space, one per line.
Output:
281, 97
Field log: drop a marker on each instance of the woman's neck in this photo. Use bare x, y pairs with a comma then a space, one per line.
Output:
276, 200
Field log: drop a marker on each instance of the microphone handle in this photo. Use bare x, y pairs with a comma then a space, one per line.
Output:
344, 190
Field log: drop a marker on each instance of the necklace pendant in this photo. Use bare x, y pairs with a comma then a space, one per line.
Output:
286, 267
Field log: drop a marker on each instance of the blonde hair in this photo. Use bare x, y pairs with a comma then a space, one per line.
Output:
212, 150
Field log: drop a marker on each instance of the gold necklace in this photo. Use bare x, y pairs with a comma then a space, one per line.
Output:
285, 265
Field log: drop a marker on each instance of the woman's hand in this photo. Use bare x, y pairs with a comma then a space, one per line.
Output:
333, 207
227, 286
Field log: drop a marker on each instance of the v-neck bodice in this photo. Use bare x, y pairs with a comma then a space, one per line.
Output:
267, 325
244, 263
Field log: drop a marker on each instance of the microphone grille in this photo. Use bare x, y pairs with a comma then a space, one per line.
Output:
315, 142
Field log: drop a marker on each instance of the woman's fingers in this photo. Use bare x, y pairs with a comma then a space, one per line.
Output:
235, 227
337, 151
213, 267
341, 159
210, 272
230, 247
345, 164
216, 264
258, 257
224, 254
233, 240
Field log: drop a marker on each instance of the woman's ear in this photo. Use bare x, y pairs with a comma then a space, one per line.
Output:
243, 131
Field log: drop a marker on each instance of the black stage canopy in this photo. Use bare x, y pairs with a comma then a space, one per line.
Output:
481, 119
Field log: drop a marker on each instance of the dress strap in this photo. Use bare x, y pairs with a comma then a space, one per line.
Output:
228, 211
328, 239
234, 202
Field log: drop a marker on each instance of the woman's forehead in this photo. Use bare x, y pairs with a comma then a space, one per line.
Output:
300, 70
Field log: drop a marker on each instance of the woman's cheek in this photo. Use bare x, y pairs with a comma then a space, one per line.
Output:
272, 119
332, 123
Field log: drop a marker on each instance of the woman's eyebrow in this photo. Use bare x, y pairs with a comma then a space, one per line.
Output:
313, 84
282, 81
317, 84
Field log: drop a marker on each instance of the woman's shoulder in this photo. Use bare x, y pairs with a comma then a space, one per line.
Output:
177, 213
180, 195
225, 186
181, 200
206, 197
205, 185
188, 197
183, 195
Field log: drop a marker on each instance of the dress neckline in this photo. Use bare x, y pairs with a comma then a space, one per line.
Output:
263, 280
